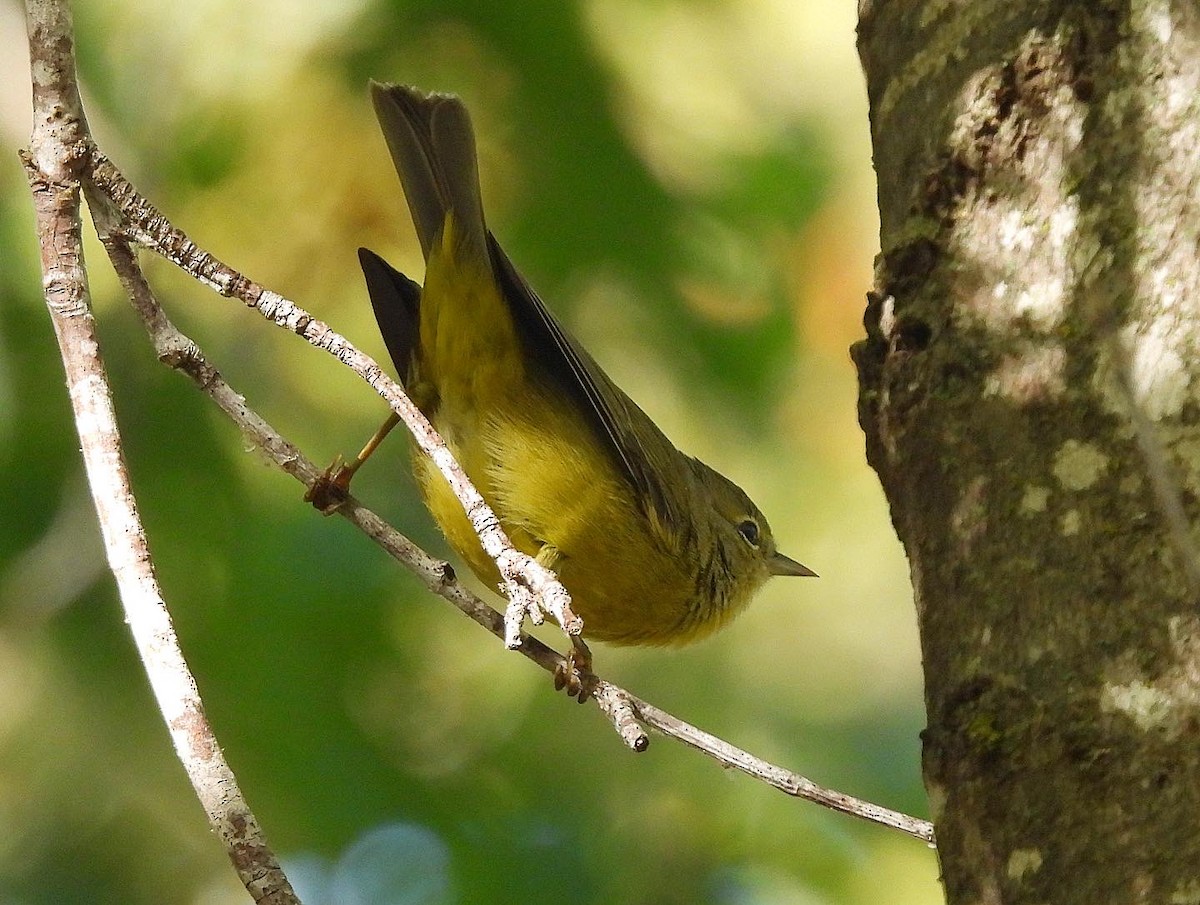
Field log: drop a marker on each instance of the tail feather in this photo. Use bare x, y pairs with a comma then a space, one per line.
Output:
433, 148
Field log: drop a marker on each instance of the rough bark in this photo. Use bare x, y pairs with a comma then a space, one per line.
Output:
1030, 400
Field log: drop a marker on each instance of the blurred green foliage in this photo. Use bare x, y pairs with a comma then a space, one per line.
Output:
699, 210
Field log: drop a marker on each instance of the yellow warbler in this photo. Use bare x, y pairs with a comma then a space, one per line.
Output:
654, 546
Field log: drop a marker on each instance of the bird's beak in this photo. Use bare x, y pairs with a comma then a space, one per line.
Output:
779, 564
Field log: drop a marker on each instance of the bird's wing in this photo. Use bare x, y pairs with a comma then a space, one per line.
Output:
656, 470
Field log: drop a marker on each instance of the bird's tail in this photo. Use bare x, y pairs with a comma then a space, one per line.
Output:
433, 148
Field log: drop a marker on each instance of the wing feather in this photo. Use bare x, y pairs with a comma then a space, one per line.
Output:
656, 471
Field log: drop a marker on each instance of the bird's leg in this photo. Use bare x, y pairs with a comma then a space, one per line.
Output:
332, 488
575, 673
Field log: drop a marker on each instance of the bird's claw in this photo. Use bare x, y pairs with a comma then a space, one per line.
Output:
574, 673
330, 491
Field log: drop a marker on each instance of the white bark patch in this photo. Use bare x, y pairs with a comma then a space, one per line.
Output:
1064, 220
1153, 17
1167, 703
1157, 369
1145, 705
1041, 302
1023, 861
1022, 241
1186, 893
1034, 373
1014, 232
1165, 341
1078, 465
1035, 500
1071, 521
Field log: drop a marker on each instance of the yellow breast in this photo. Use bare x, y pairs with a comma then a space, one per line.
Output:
542, 468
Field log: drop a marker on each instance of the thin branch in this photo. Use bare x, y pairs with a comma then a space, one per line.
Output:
53, 166
622, 709
529, 584
785, 780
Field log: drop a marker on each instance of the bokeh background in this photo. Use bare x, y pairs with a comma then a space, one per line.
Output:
689, 185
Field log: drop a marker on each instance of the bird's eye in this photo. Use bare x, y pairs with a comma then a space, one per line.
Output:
748, 529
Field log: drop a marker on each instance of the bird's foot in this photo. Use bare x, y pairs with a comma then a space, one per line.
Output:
330, 491
574, 674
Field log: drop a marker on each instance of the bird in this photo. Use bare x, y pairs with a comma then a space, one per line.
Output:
654, 546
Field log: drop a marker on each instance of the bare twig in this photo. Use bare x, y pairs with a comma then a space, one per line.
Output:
785, 780
617, 704
623, 710
53, 165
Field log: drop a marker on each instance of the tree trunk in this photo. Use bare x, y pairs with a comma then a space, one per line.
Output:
1030, 396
